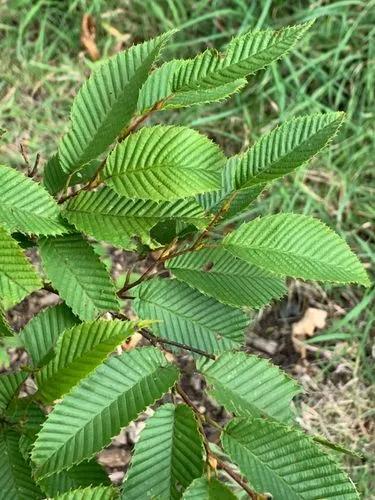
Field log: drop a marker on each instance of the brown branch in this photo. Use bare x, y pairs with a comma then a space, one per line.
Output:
146, 275
138, 120
220, 463
219, 215
161, 340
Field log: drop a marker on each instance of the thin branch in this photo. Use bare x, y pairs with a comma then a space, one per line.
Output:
138, 120
220, 463
146, 275
161, 340
184, 251
218, 216
25, 155
190, 403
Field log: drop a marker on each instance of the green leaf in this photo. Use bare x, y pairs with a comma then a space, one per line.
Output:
250, 386
90, 493
15, 474
208, 489
188, 317
159, 87
99, 406
9, 385
87, 473
215, 201
77, 352
164, 163
167, 457
284, 149
106, 102
297, 246
26, 206
109, 217
214, 76
18, 277
41, 332
79, 276
284, 461
55, 179
215, 272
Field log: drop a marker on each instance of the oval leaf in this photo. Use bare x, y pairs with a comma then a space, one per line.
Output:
164, 163
79, 276
297, 246
99, 406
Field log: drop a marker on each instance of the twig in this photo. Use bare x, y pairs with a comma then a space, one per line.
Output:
24, 155
138, 120
33, 171
146, 275
219, 215
220, 463
155, 339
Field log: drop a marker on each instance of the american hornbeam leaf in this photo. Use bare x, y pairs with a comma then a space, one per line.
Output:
164, 162
167, 457
212, 76
55, 179
159, 87
90, 493
248, 385
9, 385
87, 473
79, 276
106, 102
97, 408
26, 206
208, 489
284, 149
16, 482
217, 273
297, 246
284, 461
41, 332
107, 216
18, 277
243, 198
186, 316
77, 352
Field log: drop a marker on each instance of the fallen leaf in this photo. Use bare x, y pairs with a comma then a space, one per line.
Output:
312, 319
88, 34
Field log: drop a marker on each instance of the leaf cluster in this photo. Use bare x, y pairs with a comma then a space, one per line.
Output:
161, 190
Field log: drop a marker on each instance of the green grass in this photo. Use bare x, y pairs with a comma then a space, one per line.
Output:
333, 68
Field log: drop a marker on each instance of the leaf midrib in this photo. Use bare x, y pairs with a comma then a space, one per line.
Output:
283, 252
229, 66
132, 216
285, 157
180, 166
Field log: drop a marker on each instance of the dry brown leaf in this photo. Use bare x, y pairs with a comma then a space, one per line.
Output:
88, 34
312, 319
132, 342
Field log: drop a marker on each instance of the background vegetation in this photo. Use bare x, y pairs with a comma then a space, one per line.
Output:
43, 63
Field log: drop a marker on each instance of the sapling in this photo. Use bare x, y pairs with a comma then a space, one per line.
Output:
162, 192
